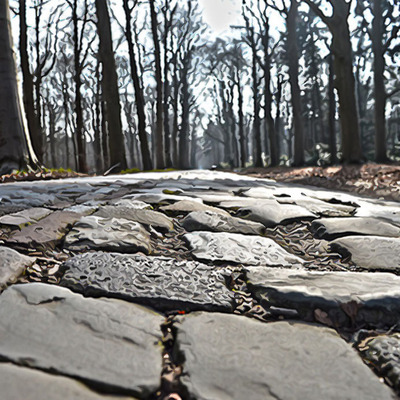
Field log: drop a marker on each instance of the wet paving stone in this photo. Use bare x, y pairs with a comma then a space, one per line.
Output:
12, 265
370, 252
332, 228
19, 383
234, 357
144, 217
210, 221
110, 234
240, 249
338, 299
110, 344
46, 233
162, 283
383, 354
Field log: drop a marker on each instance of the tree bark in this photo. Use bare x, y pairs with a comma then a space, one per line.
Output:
159, 134
27, 85
79, 133
139, 97
184, 161
16, 150
256, 106
270, 125
242, 139
332, 113
110, 88
293, 64
345, 84
379, 83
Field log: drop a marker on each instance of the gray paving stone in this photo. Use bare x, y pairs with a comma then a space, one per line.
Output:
333, 298
188, 206
6, 209
159, 198
242, 249
110, 234
12, 265
383, 353
144, 217
135, 204
109, 343
48, 232
210, 221
320, 207
387, 211
19, 383
370, 252
237, 202
234, 357
332, 228
24, 217
162, 283
275, 214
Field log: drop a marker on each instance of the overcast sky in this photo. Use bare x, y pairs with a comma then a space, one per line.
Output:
219, 14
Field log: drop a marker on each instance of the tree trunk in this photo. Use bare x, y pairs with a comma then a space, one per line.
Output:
242, 139
293, 64
256, 106
270, 125
79, 134
184, 162
167, 133
27, 85
16, 150
159, 135
379, 83
345, 85
332, 113
110, 88
351, 147
139, 98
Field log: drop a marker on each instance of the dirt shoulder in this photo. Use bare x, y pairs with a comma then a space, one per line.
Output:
372, 180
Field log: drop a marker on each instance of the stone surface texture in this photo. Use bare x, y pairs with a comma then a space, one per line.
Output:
334, 298
274, 214
370, 252
383, 353
142, 216
48, 232
113, 234
12, 265
19, 383
240, 249
163, 283
188, 206
210, 221
24, 217
109, 343
332, 228
253, 360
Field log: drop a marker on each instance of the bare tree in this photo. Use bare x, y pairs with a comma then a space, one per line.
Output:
159, 133
343, 66
110, 88
16, 151
139, 97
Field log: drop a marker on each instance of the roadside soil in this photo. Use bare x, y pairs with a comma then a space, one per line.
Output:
371, 180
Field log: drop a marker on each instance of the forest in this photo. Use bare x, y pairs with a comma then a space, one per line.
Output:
141, 85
